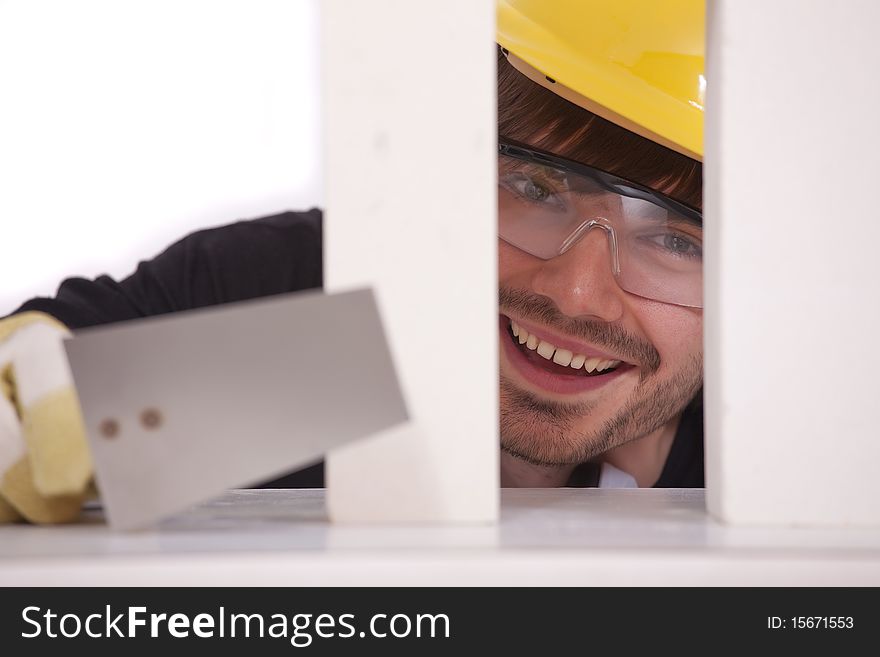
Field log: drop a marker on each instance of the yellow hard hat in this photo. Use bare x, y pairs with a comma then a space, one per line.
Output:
637, 63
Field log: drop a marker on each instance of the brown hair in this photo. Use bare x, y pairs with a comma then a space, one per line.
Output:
529, 113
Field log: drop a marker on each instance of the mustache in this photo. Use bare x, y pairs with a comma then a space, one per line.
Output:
603, 334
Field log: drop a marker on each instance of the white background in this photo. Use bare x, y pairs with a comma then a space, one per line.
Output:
126, 125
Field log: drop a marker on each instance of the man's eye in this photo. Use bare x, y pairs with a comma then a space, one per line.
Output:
681, 246
532, 190
675, 245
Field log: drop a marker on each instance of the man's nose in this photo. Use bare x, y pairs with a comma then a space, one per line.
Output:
581, 280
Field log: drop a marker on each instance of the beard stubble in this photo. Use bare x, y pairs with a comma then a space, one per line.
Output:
544, 432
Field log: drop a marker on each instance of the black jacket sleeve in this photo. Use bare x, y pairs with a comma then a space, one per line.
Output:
243, 260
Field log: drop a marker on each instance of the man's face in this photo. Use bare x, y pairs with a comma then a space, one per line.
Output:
552, 414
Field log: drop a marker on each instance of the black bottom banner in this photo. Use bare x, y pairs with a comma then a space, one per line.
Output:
432, 621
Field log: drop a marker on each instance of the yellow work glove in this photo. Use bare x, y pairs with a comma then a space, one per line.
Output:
45, 466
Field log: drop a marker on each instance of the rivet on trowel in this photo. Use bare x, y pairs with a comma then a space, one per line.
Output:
109, 428
151, 418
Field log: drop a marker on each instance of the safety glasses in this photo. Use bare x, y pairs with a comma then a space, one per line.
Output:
547, 204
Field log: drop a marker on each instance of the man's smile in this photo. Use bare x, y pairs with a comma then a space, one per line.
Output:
557, 364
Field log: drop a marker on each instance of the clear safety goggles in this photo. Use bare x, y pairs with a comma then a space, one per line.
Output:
546, 204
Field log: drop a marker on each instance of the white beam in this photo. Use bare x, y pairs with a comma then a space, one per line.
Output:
793, 309
409, 121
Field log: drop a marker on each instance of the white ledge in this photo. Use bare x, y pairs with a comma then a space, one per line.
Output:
578, 537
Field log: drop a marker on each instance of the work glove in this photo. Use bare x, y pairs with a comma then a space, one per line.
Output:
45, 466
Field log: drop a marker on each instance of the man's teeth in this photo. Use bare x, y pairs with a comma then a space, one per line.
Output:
546, 349
560, 356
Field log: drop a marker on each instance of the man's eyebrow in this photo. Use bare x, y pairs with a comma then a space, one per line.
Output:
682, 219
551, 172
534, 169
674, 218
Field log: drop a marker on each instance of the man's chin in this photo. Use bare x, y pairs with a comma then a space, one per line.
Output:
548, 432
544, 431
536, 408
531, 459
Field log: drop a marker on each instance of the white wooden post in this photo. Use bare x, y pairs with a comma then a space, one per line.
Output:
409, 121
793, 262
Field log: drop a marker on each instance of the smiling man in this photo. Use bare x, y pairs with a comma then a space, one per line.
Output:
600, 243
600, 268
